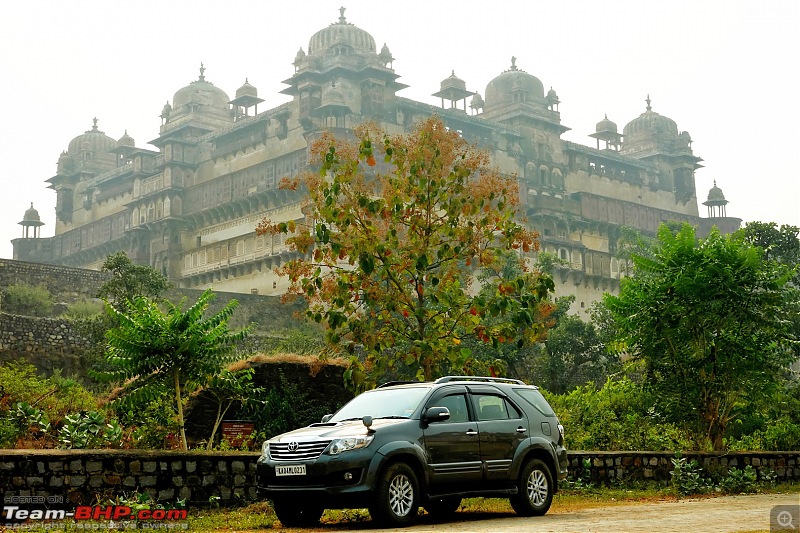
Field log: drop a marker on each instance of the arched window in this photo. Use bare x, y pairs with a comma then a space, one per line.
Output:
614, 267
563, 254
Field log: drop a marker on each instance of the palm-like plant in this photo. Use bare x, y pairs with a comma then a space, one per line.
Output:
176, 350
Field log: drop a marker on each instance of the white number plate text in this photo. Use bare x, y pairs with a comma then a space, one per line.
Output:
290, 470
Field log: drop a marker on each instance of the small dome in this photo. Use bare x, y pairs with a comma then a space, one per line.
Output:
298, 59
203, 93
453, 82
649, 124
341, 33
385, 55
501, 90
605, 126
246, 90
552, 97
92, 140
476, 102
31, 215
715, 196
126, 140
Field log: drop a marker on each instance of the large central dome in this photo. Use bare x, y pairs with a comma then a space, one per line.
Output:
203, 93
511, 87
341, 33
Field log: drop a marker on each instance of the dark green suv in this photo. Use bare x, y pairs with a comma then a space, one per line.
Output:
406, 445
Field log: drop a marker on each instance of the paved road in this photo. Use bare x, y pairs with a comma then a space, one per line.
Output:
726, 514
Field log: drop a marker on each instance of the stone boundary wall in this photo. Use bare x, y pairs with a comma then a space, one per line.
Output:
59, 280
656, 466
47, 343
88, 476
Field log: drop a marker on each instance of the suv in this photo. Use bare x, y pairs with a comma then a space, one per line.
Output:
405, 445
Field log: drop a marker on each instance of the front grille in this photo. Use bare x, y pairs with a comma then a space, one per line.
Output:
279, 451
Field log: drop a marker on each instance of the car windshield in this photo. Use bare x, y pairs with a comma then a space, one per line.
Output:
382, 403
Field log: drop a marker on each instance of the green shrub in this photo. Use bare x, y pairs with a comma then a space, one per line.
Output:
687, 477
83, 309
29, 300
618, 416
89, 430
739, 481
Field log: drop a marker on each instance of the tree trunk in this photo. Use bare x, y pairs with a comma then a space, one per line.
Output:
180, 409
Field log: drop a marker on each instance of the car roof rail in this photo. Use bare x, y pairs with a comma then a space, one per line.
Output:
447, 379
392, 383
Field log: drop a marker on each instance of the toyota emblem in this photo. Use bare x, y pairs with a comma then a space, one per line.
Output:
293, 446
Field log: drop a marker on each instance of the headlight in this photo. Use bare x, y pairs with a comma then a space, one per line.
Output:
265, 449
344, 444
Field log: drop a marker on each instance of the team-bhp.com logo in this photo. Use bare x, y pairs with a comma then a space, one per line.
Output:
93, 512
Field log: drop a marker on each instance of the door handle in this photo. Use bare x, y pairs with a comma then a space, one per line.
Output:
471, 432
521, 429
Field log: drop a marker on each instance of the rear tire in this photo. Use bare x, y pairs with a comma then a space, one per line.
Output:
535, 485
293, 513
443, 507
396, 499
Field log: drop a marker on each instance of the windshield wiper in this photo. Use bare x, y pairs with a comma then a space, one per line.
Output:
391, 416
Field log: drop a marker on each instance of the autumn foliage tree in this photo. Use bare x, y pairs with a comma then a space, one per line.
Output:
387, 255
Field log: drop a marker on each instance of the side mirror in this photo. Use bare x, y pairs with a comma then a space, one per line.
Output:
326, 418
437, 414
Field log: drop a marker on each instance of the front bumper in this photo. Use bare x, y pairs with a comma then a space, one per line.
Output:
342, 480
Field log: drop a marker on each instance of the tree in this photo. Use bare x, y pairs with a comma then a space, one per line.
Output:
779, 244
573, 353
709, 320
386, 258
229, 387
129, 281
173, 350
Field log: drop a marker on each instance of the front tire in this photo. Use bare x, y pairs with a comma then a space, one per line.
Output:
535, 486
293, 513
396, 498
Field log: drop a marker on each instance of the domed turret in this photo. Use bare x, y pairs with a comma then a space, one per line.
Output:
341, 34
246, 90
514, 86
31, 220
606, 126
126, 140
31, 215
92, 140
606, 131
648, 126
476, 104
715, 196
716, 202
203, 94
385, 56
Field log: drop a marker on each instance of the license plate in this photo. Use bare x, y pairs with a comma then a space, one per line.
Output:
290, 470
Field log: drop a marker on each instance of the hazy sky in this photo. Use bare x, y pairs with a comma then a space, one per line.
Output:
726, 71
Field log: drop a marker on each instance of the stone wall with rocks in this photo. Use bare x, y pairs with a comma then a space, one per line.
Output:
53, 343
87, 476
92, 476
608, 467
47, 343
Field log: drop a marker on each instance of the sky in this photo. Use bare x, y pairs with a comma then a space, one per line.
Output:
727, 71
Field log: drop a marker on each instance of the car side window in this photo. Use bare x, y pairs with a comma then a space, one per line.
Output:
456, 404
490, 407
535, 398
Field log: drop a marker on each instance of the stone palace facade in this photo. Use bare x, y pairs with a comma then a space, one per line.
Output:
190, 207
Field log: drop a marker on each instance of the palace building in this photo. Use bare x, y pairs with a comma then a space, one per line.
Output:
190, 207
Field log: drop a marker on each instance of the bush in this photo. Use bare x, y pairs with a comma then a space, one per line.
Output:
24, 299
618, 416
32, 407
287, 407
83, 309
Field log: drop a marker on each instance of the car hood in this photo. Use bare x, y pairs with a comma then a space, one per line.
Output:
336, 430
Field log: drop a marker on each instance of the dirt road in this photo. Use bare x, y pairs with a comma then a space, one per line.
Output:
726, 514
